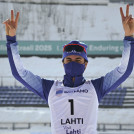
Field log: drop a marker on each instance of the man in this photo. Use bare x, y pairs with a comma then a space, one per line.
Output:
74, 101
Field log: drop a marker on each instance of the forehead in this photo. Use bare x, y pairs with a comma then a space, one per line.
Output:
74, 57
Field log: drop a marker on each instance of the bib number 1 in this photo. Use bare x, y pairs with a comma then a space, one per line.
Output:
71, 106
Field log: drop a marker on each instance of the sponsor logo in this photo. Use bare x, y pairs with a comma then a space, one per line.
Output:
59, 92
72, 121
70, 130
78, 131
77, 91
73, 51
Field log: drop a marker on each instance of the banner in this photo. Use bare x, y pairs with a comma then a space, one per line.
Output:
43, 48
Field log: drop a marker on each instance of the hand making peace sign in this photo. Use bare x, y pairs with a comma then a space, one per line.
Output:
11, 25
127, 21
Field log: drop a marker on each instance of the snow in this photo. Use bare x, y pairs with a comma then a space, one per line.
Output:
52, 68
116, 116
42, 115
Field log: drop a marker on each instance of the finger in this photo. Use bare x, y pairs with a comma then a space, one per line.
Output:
8, 21
7, 29
10, 27
128, 19
122, 14
131, 20
17, 18
6, 26
12, 15
127, 10
5, 21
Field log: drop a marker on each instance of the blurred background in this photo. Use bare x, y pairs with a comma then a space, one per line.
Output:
44, 27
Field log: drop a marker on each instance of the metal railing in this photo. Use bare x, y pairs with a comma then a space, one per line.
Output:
100, 127
117, 127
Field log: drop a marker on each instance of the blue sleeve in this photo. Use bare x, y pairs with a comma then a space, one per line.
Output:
33, 82
114, 78
47, 84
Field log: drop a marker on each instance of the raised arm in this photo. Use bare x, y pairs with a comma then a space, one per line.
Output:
33, 82
114, 78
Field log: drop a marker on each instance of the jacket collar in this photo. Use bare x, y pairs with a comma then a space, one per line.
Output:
68, 82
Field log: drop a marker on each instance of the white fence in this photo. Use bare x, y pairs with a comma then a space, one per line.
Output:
37, 120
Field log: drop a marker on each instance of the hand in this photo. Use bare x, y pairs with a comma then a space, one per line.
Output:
11, 26
127, 21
